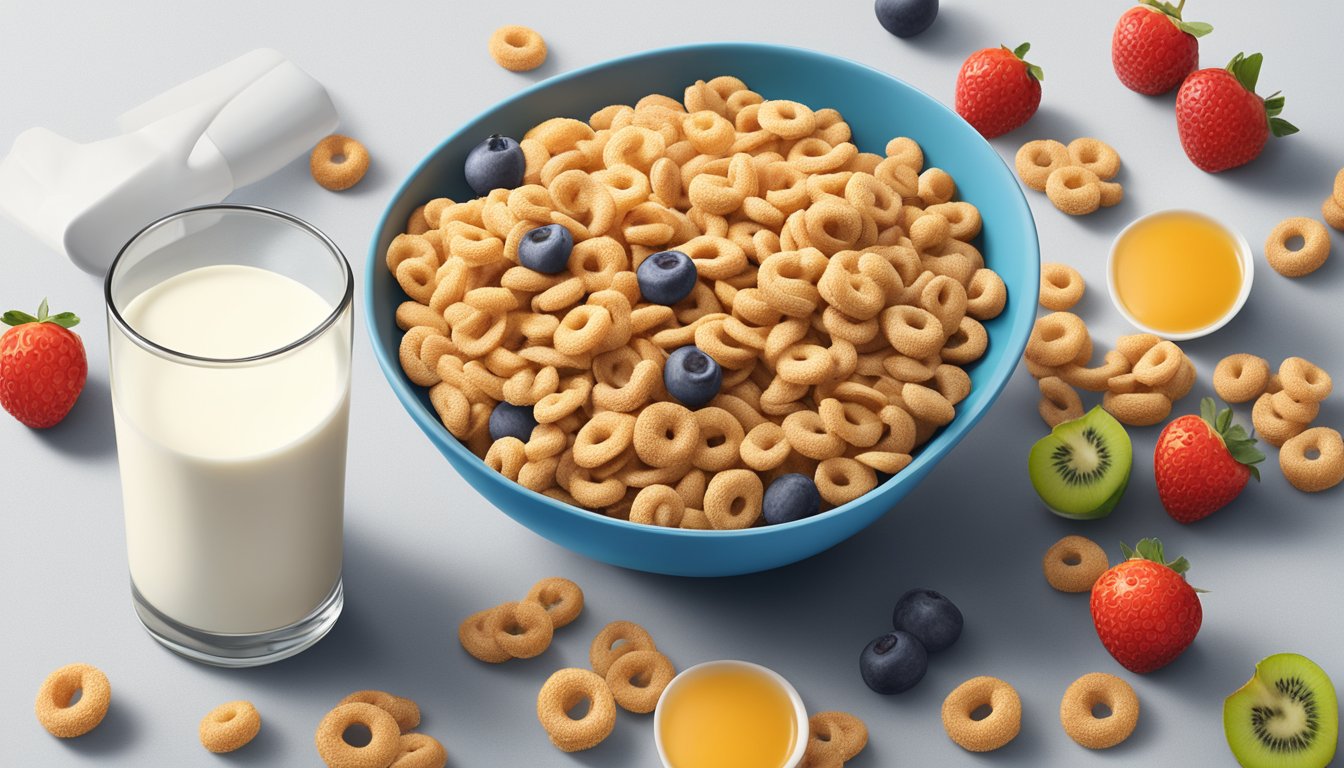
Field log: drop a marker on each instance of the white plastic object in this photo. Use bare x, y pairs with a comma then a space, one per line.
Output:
191, 145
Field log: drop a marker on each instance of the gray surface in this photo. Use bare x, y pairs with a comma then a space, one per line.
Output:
423, 550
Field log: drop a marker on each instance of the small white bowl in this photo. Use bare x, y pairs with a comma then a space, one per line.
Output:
1243, 256
799, 711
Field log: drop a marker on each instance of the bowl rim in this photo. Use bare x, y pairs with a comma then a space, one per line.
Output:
1244, 257
963, 423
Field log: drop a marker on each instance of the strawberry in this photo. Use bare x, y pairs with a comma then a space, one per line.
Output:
1153, 49
1222, 123
42, 366
997, 90
1145, 612
1203, 462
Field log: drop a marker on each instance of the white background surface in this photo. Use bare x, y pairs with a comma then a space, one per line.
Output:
423, 550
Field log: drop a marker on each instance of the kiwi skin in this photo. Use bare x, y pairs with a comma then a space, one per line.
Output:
1285, 716
1091, 498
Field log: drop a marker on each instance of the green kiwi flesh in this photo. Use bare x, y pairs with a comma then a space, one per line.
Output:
1286, 716
1081, 469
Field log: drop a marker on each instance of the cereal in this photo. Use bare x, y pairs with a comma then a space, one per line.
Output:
1333, 212
1159, 365
1135, 345
659, 505
1137, 409
384, 742
1095, 379
841, 480
334, 174
565, 690
419, 750
229, 726
1096, 156
1084, 695
616, 640
1059, 402
476, 638
1270, 425
1061, 287
1297, 411
1304, 380
1036, 160
562, 599
517, 49
638, 678
1074, 190
1074, 563
1308, 258
1056, 339
836, 736
1241, 377
996, 729
1313, 460
404, 711
63, 719
733, 499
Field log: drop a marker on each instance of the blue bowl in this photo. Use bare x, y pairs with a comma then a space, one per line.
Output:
877, 107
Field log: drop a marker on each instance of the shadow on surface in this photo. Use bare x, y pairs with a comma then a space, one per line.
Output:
87, 432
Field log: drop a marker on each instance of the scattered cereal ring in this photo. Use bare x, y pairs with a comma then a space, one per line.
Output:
1297, 411
564, 691
638, 678
384, 742
1333, 212
1036, 160
1059, 402
1056, 339
1240, 378
1090, 691
476, 639
1302, 261
403, 710
616, 640
1095, 379
996, 729
1074, 190
229, 726
334, 174
1270, 425
1314, 460
562, 599
1137, 409
63, 719
522, 629
1135, 345
420, 750
1096, 156
1074, 563
1061, 287
1304, 380
733, 499
836, 735
1159, 365
517, 49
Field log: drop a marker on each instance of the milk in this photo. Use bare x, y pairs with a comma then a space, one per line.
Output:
233, 476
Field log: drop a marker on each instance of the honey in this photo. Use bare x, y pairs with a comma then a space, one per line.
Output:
1177, 272
727, 716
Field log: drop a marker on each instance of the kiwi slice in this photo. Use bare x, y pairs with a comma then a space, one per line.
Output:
1082, 467
1286, 716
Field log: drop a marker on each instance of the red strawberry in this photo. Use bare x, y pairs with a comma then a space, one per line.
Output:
1222, 123
1203, 462
997, 90
1145, 612
1152, 49
42, 366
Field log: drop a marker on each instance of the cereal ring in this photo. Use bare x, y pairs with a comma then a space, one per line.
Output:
659, 505
638, 678
666, 434
1296, 411
333, 174
1304, 380
996, 729
788, 120
733, 499
835, 735
1059, 402
517, 49
1084, 695
63, 719
1074, 190
986, 295
420, 750
1135, 345
1159, 365
912, 331
765, 447
522, 629
1095, 379
1036, 160
403, 710
1137, 409
1061, 287
384, 742
841, 480
564, 691
229, 726
906, 151
927, 404
1096, 156
936, 186
1056, 339
605, 436
1301, 261
1270, 425
1240, 378
1314, 460
1111, 194
720, 439
1333, 212
807, 435
562, 599
1074, 563
616, 640
477, 639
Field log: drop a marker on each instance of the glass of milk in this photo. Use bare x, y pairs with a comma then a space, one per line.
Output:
229, 328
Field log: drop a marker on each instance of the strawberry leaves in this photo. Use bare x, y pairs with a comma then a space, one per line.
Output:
64, 319
1151, 550
1192, 28
1033, 70
1240, 445
1247, 71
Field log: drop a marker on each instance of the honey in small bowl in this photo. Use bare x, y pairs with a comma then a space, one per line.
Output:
1179, 274
730, 714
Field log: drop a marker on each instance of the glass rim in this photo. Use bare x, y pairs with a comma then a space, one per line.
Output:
347, 295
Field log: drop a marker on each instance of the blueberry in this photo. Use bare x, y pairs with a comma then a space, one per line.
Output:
666, 277
495, 163
893, 663
790, 497
906, 18
691, 376
928, 616
546, 249
512, 420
